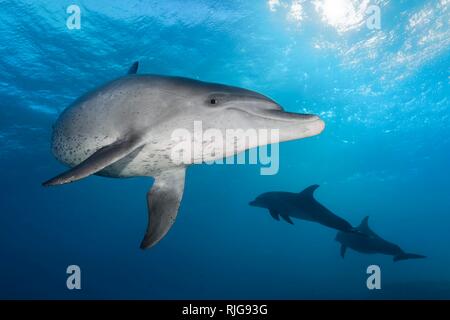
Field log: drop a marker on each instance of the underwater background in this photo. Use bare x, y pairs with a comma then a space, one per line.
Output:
383, 93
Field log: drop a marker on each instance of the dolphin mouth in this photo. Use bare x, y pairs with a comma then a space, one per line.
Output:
280, 115
312, 124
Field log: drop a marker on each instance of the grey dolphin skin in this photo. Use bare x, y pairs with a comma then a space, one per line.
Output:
124, 129
372, 243
300, 205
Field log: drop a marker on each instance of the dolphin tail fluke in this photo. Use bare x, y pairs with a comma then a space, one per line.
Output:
163, 201
406, 256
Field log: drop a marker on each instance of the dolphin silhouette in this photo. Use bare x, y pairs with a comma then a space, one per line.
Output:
372, 243
302, 206
124, 129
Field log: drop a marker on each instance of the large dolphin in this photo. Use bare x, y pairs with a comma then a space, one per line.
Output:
300, 205
372, 243
124, 129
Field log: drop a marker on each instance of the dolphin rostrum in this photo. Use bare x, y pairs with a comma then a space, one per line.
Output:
372, 243
301, 205
124, 129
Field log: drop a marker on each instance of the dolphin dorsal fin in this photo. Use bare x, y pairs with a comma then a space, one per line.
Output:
364, 225
134, 68
365, 229
309, 192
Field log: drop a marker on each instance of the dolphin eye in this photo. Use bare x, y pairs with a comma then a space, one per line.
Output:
215, 100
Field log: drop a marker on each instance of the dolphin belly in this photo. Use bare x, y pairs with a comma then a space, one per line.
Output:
363, 248
303, 215
145, 161
363, 244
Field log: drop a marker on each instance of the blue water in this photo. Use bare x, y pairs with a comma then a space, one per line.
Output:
383, 93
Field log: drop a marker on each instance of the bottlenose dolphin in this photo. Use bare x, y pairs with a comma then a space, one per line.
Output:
123, 129
301, 205
372, 243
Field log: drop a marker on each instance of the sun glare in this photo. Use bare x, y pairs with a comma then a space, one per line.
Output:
343, 15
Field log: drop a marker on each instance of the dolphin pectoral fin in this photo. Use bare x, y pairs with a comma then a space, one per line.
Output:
286, 218
274, 214
163, 201
134, 68
343, 250
97, 161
